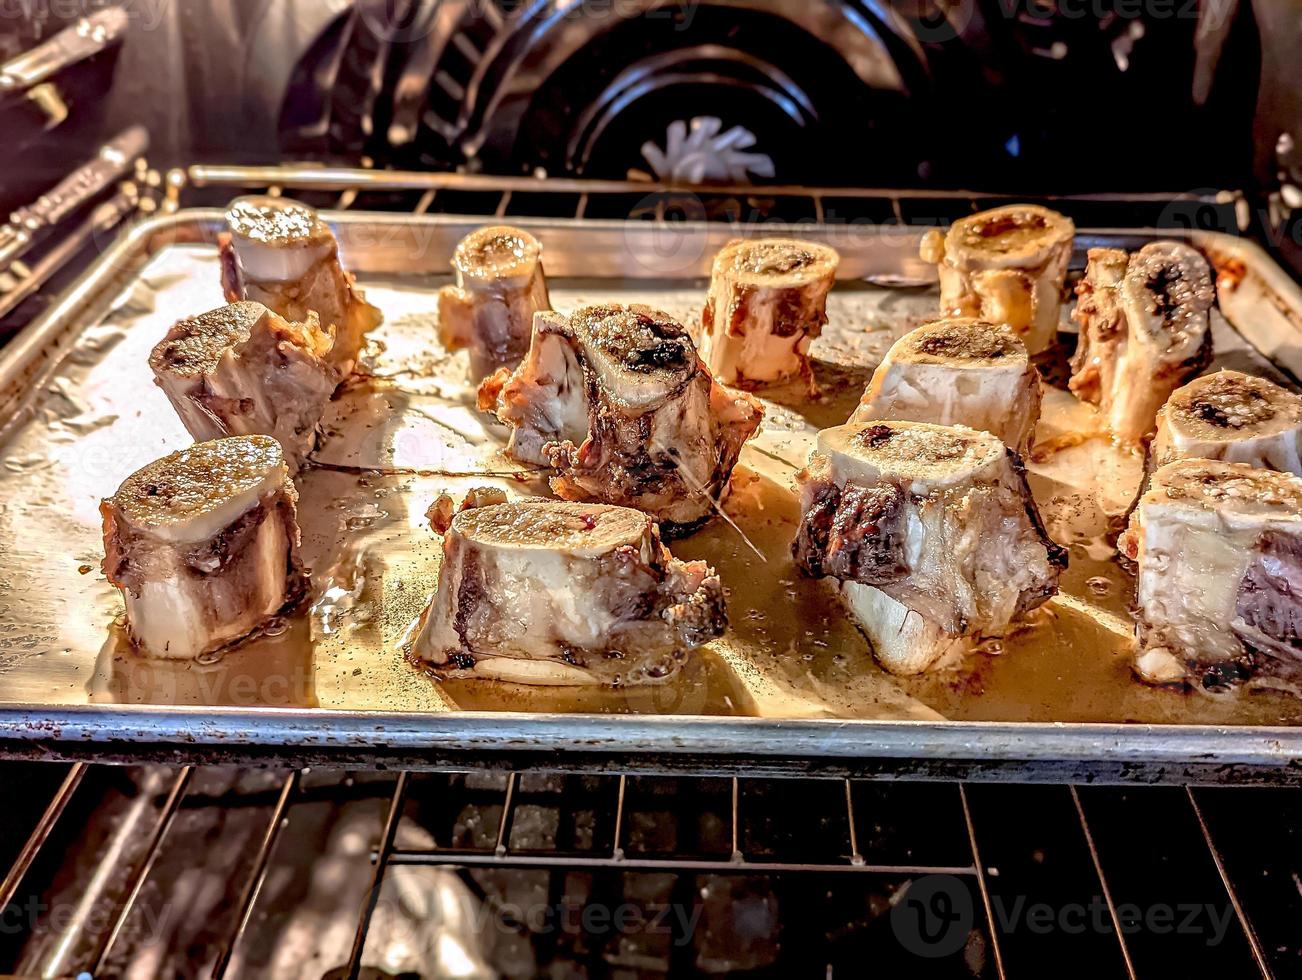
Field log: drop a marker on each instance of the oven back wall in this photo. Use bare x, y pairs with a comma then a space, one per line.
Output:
999, 96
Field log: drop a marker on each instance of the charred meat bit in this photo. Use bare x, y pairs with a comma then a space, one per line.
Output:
604, 400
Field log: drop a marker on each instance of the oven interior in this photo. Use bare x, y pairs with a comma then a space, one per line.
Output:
156, 870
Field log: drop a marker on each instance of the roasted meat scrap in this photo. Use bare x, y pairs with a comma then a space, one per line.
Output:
958, 371
204, 546
1231, 416
1006, 266
548, 592
616, 400
1219, 587
440, 513
1144, 330
930, 531
500, 286
279, 253
767, 302
243, 370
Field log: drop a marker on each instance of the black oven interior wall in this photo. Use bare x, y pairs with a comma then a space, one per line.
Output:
1019, 95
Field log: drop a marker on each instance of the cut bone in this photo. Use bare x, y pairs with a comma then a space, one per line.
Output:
616, 400
204, 546
904, 642
939, 520
1144, 330
1234, 417
1219, 586
958, 371
767, 302
1006, 265
548, 592
280, 253
242, 370
500, 286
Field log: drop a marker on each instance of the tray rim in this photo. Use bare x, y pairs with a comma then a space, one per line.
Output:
1049, 751
1142, 751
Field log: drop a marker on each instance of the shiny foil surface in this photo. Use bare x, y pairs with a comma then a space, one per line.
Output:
409, 431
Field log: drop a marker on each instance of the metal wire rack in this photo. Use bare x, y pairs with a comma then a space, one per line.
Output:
503, 197
766, 877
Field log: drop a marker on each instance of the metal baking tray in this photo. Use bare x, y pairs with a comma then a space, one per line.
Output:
792, 687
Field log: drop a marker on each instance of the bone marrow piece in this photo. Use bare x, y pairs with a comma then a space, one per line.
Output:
500, 286
279, 252
930, 532
1145, 329
767, 302
550, 592
958, 371
1233, 417
243, 370
203, 545
616, 400
1006, 265
1219, 588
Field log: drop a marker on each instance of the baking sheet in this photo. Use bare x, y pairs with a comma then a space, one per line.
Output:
395, 442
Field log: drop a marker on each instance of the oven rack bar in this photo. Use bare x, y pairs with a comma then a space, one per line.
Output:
356, 180
498, 196
258, 875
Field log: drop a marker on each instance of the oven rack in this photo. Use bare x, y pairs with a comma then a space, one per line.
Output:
855, 850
